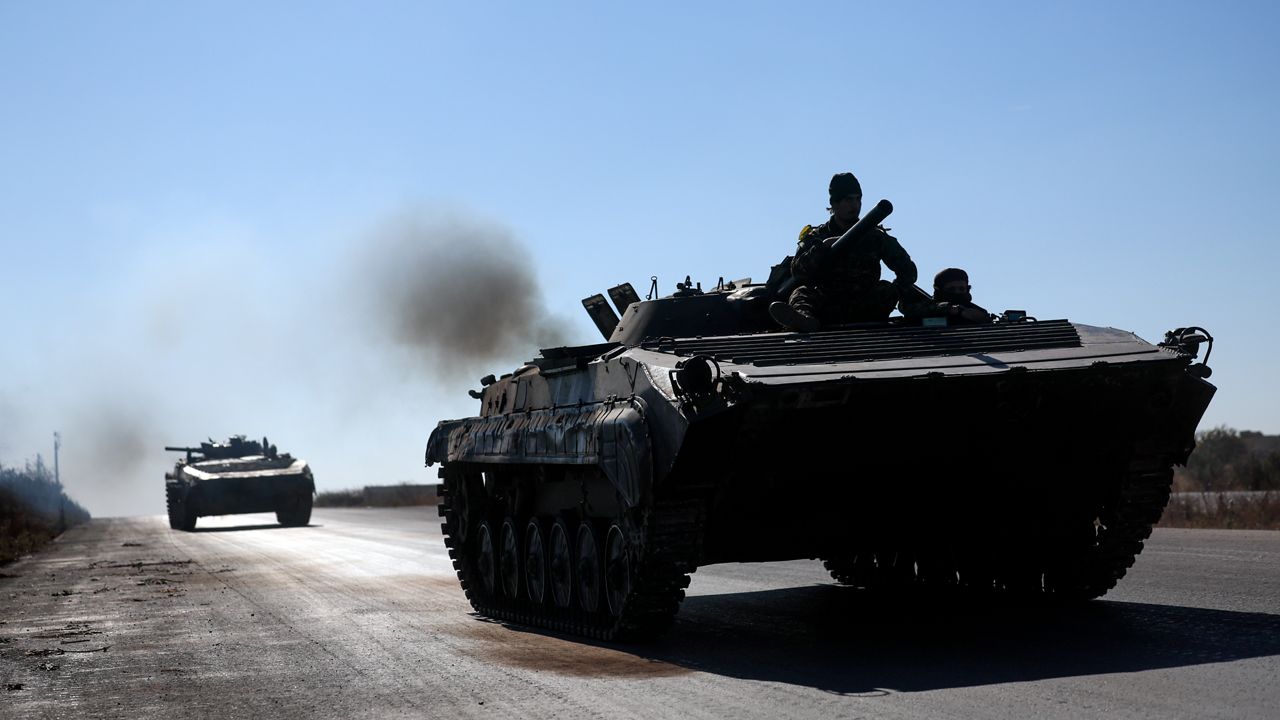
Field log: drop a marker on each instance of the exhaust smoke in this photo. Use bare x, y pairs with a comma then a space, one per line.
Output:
459, 293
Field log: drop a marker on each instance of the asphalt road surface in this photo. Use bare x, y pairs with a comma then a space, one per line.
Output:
360, 615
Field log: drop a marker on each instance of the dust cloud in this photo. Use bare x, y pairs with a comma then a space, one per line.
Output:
113, 454
371, 336
459, 294
9, 419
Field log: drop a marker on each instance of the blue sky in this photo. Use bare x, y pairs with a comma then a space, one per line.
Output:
189, 194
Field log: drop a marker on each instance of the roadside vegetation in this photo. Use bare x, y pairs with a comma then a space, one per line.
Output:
403, 495
34, 509
1231, 481
340, 498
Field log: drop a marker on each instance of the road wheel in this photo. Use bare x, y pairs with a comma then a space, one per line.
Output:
486, 559
617, 575
976, 573
509, 560
1073, 572
535, 563
587, 556
857, 569
560, 564
936, 568
1021, 577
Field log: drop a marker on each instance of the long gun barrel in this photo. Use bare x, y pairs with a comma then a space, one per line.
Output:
187, 450
847, 241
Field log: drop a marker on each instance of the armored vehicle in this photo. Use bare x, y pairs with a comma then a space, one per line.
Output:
238, 476
1019, 457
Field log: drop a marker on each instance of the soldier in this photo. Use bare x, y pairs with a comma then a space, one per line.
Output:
834, 291
951, 299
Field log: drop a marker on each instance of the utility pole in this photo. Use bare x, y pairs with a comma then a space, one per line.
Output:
57, 444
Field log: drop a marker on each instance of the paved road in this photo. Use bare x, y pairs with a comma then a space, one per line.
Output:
359, 615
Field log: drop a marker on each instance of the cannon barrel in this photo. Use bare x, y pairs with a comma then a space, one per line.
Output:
847, 241
171, 448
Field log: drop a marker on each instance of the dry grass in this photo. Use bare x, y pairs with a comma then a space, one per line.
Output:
1232, 511
405, 495
22, 530
33, 510
340, 498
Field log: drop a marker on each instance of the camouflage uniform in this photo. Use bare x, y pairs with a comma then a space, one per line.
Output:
849, 289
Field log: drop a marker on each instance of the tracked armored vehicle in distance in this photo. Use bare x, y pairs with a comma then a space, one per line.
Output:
1019, 457
238, 476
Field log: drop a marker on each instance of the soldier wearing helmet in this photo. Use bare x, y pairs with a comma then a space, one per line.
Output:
838, 290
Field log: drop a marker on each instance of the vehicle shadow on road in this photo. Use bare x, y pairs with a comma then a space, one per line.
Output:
239, 528
841, 640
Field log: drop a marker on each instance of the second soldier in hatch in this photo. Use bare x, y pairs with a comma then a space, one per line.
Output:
848, 289
952, 300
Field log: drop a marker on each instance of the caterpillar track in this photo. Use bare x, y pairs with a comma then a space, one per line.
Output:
1104, 550
632, 600
179, 518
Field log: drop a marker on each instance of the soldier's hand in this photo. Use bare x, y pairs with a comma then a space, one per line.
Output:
813, 258
818, 252
905, 288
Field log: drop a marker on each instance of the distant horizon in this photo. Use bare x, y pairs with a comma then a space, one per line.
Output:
433, 481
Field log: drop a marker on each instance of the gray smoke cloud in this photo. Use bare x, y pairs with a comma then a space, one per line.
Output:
459, 293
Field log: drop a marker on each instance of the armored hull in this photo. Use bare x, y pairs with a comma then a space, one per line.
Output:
238, 477
1015, 457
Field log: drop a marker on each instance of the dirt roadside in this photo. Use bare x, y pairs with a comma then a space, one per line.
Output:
127, 618
110, 620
